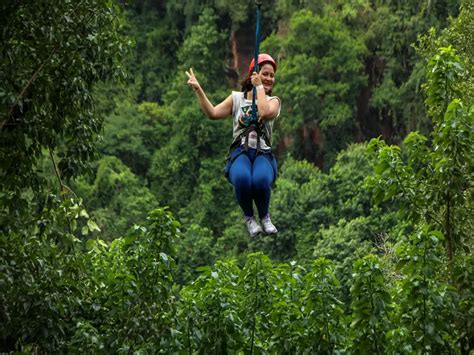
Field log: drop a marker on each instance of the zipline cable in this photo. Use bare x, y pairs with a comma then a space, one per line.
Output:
255, 57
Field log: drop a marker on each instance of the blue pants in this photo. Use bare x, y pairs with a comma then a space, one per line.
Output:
252, 175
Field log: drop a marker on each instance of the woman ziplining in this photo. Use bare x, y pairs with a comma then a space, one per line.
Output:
251, 166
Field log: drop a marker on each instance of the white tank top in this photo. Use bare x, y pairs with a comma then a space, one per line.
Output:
242, 113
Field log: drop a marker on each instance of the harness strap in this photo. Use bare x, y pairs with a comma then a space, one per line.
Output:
246, 142
245, 134
258, 140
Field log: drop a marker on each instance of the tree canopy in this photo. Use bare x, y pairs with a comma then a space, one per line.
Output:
119, 232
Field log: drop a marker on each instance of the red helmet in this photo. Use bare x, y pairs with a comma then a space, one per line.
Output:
262, 58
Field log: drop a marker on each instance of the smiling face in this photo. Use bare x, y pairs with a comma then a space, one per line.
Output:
267, 76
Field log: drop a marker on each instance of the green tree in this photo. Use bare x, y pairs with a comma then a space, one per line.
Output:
213, 200
117, 198
318, 81
59, 295
395, 69
53, 54
371, 304
433, 182
193, 138
44, 278
157, 34
256, 281
464, 313
324, 323
423, 319
196, 249
210, 311
133, 304
134, 132
343, 243
287, 314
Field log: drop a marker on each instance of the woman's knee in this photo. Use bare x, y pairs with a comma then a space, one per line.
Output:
241, 180
240, 172
263, 174
262, 182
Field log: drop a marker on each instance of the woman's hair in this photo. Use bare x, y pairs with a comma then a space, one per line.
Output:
247, 85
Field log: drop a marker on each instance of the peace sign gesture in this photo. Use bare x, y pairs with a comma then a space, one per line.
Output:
192, 81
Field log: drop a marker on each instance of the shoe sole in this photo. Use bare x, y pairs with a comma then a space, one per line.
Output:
256, 234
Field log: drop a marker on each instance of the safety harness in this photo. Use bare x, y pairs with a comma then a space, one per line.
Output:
245, 134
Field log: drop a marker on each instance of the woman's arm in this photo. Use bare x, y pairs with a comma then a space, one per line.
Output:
267, 110
219, 111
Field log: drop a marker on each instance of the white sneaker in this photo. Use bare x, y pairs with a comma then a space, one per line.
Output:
268, 226
253, 227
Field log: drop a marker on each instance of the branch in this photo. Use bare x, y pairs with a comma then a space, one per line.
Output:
62, 187
36, 73
56, 170
28, 84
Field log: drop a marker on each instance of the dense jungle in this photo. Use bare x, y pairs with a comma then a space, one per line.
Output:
120, 234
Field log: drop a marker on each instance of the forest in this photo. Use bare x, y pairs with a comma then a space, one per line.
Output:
119, 232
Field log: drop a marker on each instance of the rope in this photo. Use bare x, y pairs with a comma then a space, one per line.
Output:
255, 57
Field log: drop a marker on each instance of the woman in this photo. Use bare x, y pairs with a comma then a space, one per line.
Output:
251, 166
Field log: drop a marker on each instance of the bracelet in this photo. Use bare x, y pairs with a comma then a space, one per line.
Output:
258, 87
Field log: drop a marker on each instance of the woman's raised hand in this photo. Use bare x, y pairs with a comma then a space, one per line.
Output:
192, 81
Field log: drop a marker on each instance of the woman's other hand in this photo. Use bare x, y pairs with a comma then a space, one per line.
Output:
255, 78
192, 81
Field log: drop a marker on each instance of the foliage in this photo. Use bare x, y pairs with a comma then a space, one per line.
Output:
396, 69
459, 36
287, 314
424, 300
42, 278
261, 307
463, 277
347, 71
234, 16
433, 184
157, 41
132, 295
371, 304
319, 77
344, 243
209, 315
116, 197
192, 137
120, 297
134, 132
195, 249
325, 322
213, 198
58, 295
52, 55
309, 205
